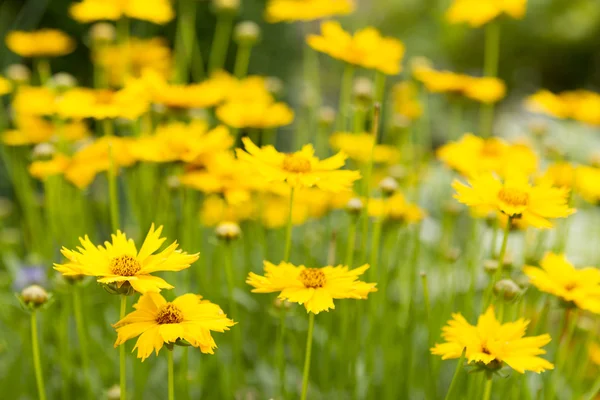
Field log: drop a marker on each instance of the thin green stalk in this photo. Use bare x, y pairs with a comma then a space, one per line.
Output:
288, 229
218, 51
490, 69
345, 96
122, 365
186, 34
375, 243
487, 391
281, 349
429, 323
123, 40
37, 365
171, 374
228, 255
112, 179
456, 119
570, 323
42, 66
500, 267
242, 60
82, 335
351, 241
305, 374
459, 367
591, 395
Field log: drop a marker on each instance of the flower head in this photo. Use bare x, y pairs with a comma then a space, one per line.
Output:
491, 343
299, 169
580, 105
406, 102
5, 86
395, 208
306, 10
480, 12
559, 277
586, 183
158, 322
156, 11
42, 43
120, 262
316, 288
359, 147
534, 205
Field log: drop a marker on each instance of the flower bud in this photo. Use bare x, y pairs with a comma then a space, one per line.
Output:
226, 6
173, 182
62, 81
490, 266
279, 303
399, 122
103, 32
507, 288
452, 254
388, 185
34, 295
326, 116
199, 114
398, 171
43, 151
247, 33
274, 85
228, 231
113, 393
363, 90
18, 73
355, 205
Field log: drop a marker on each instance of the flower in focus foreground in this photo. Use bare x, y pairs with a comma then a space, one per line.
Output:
299, 169
367, 48
490, 343
121, 263
314, 287
158, 322
480, 12
559, 277
306, 10
515, 197
42, 43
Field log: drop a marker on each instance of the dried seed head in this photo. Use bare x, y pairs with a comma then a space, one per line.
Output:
228, 231
507, 288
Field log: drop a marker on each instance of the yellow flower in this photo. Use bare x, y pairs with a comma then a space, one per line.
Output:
34, 130
359, 147
156, 11
472, 155
440, 81
406, 101
516, 198
560, 174
493, 344
316, 288
5, 86
42, 43
395, 208
586, 183
120, 262
158, 322
299, 169
216, 210
479, 12
546, 102
132, 59
594, 353
560, 278
274, 212
367, 48
261, 115
30, 100
306, 10
485, 89
55, 166
580, 105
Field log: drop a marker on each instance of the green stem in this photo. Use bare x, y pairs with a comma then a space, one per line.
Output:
281, 349
37, 365
570, 322
591, 395
490, 69
186, 33
83, 345
375, 243
122, 365
227, 255
218, 51
123, 40
305, 374
351, 241
171, 374
500, 267
487, 391
112, 179
459, 367
345, 96
42, 65
288, 230
242, 59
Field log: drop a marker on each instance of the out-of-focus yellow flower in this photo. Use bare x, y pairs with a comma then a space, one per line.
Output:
479, 12
42, 169
315, 288
367, 48
156, 11
485, 89
299, 169
306, 10
492, 344
33, 100
515, 197
472, 155
395, 208
546, 102
406, 101
42, 43
274, 212
587, 183
580, 105
262, 115
178, 141
594, 353
139, 54
359, 147
560, 278
216, 210
34, 130
5, 86
561, 174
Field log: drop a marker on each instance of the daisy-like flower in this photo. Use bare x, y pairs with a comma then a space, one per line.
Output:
120, 263
534, 205
314, 287
580, 105
299, 169
42, 43
359, 147
395, 208
306, 10
586, 183
479, 12
560, 278
406, 100
5, 86
491, 344
155, 11
158, 322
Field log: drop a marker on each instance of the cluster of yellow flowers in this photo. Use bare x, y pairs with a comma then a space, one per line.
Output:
580, 105
479, 12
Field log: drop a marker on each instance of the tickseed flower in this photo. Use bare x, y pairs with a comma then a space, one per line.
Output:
580, 105
34, 101
472, 155
586, 183
359, 147
57, 165
34, 130
557, 276
299, 169
594, 353
479, 12
515, 197
485, 89
215, 210
42, 43
306, 10
406, 102
561, 174
367, 48
121, 264
158, 322
268, 114
275, 212
395, 208
491, 344
5, 86
155, 11
315, 288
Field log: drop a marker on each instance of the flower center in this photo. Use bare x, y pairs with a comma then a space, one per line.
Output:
312, 278
104, 96
296, 163
513, 197
169, 314
125, 266
491, 148
570, 286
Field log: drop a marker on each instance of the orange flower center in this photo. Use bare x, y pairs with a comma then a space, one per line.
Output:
312, 278
125, 266
169, 314
296, 163
104, 96
513, 197
491, 148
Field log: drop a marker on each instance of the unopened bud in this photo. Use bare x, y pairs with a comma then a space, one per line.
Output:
113, 392
103, 32
490, 266
452, 254
226, 6
388, 185
507, 288
62, 80
355, 205
279, 303
326, 116
363, 90
274, 85
34, 295
43, 151
173, 182
18, 73
247, 33
228, 231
